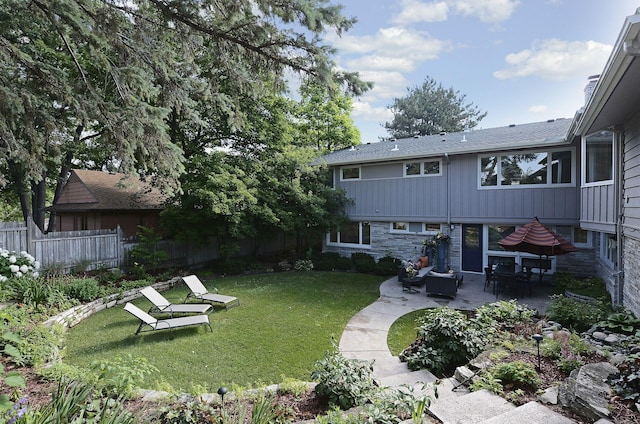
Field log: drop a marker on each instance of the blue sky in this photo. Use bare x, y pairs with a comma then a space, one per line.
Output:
520, 61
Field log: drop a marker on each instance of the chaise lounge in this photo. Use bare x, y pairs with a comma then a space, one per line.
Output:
200, 292
164, 324
162, 305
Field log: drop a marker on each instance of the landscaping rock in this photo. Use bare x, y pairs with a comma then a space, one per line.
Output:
586, 390
550, 396
463, 374
611, 339
599, 335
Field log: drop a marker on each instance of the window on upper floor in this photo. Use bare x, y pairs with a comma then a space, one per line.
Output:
358, 233
350, 173
533, 168
597, 158
428, 168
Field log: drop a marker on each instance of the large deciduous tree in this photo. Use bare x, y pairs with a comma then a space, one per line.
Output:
109, 76
430, 109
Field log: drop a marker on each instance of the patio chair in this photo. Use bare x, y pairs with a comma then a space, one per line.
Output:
200, 292
163, 324
162, 305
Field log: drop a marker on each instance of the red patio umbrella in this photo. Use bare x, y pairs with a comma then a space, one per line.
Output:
535, 238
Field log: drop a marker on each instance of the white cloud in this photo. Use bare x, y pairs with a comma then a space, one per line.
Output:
386, 86
418, 11
487, 11
538, 109
555, 59
367, 112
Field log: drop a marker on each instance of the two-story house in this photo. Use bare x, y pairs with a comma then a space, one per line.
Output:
477, 186
609, 127
581, 177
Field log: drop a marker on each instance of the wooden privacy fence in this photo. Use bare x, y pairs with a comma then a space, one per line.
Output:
91, 249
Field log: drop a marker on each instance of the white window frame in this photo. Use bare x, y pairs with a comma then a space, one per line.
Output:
359, 244
589, 242
549, 183
393, 230
422, 168
583, 161
342, 169
430, 232
607, 254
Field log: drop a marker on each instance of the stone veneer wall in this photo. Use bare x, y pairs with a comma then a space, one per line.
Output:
631, 286
407, 246
75, 315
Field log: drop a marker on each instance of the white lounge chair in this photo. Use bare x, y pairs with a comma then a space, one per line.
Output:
162, 305
200, 292
163, 324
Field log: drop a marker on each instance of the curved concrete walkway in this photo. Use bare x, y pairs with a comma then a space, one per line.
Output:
365, 336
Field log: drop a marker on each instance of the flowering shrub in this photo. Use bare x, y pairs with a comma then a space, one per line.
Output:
17, 265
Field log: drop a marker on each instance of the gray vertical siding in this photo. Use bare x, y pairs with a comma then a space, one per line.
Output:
631, 179
380, 197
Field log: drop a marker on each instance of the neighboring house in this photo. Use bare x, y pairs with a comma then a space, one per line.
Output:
93, 200
479, 185
609, 125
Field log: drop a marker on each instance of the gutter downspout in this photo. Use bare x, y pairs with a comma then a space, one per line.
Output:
448, 201
619, 213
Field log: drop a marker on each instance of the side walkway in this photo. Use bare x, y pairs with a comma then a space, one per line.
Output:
365, 336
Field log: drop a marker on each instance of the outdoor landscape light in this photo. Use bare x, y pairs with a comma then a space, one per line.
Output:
222, 391
538, 339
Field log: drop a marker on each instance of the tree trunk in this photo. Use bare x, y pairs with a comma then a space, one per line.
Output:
38, 198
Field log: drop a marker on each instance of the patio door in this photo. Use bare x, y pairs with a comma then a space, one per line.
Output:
472, 247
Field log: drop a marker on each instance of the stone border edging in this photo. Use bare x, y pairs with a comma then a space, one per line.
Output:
72, 317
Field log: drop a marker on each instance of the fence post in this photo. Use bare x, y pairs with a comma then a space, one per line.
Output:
121, 249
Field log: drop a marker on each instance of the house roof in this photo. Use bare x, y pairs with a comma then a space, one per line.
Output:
97, 190
548, 133
615, 97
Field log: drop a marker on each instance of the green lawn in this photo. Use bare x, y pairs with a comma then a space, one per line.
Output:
283, 325
403, 332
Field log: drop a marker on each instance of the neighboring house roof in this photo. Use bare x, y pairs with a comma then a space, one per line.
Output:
615, 97
97, 190
538, 134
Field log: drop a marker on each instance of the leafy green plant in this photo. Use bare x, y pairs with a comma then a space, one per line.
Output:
148, 252
363, 262
519, 373
627, 383
575, 314
293, 386
304, 265
593, 287
187, 412
82, 289
120, 376
345, 382
506, 314
622, 322
387, 266
486, 380
446, 339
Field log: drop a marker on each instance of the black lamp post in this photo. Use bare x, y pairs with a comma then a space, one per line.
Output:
538, 339
222, 391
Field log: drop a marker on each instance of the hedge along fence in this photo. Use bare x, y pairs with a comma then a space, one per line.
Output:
72, 317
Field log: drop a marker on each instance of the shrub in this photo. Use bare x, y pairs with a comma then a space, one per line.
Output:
84, 290
345, 382
506, 314
575, 314
120, 376
387, 266
16, 265
519, 373
304, 265
446, 339
148, 252
363, 262
592, 286
487, 381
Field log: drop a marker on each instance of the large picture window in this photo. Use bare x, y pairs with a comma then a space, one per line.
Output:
527, 168
598, 157
358, 233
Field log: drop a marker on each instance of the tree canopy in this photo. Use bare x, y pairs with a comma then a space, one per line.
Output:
430, 109
105, 82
